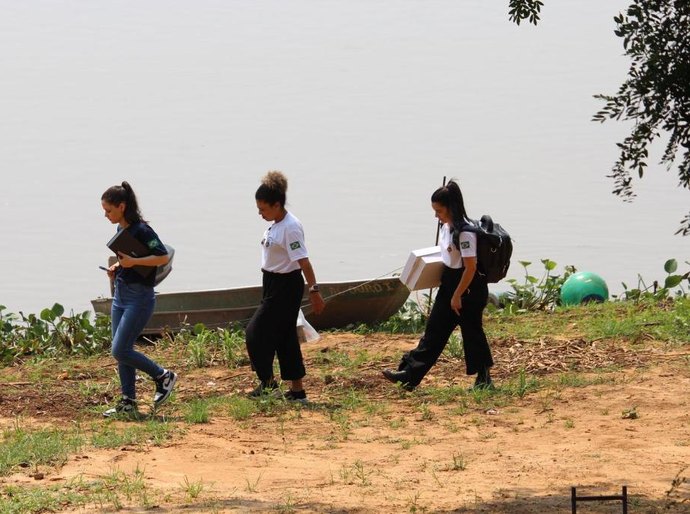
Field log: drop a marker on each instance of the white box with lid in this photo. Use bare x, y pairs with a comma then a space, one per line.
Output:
423, 269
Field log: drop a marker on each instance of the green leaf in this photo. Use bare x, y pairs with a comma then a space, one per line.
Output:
548, 264
524, 264
672, 281
670, 266
58, 310
531, 279
47, 315
198, 329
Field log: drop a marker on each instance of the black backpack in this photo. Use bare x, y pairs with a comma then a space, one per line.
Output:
494, 247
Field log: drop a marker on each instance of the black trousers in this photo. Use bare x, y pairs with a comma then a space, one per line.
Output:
441, 323
273, 328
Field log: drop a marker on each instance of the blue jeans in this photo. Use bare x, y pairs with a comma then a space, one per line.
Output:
132, 308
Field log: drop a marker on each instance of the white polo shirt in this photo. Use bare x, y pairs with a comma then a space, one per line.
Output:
451, 255
283, 245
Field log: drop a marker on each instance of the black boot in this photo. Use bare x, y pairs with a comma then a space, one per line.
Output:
399, 377
264, 387
483, 380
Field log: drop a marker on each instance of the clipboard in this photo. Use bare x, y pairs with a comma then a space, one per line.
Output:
126, 243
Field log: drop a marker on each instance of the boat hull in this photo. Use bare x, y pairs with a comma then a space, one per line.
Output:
347, 303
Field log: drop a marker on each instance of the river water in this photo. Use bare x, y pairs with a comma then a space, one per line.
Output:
365, 106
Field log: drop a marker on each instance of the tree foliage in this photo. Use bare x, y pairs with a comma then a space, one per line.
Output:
656, 94
519, 10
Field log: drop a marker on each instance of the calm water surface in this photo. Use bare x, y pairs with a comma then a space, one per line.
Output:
364, 105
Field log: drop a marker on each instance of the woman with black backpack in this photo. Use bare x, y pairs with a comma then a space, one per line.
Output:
460, 300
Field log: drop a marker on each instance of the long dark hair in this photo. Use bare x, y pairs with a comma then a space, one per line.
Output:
273, 188
115, 195
450, 197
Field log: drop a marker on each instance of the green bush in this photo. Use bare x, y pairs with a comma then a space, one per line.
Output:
51, 333
672, 285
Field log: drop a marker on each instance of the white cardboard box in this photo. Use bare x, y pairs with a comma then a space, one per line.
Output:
423, 269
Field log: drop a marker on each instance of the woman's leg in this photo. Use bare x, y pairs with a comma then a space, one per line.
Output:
287, 346
137, 308
259, 335
440, 325
126, 373
478, 357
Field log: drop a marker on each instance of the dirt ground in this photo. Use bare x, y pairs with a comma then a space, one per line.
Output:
622, 418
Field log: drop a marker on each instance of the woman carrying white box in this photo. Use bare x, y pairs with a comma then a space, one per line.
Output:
460, 300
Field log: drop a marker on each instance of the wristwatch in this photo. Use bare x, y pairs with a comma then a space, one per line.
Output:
314, 288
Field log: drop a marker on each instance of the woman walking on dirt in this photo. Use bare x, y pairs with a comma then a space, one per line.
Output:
133, 301
460, 300
272, 330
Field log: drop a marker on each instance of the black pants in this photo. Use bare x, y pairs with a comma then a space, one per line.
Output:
442, 321
273, 328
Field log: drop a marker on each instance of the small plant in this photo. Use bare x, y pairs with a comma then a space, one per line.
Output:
536, 293
655, 290
413, 504
360, 474
241, 408
344, 423
252, 487
427, 414
232, 345
522, 383
398, 423
198, 346
192, 489
459, 462
355, 474
197, 411
410, 319
454, 348
51, 333
288, 506
630, 413
132, 487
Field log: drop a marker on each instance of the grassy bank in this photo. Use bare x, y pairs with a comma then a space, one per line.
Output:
51, 401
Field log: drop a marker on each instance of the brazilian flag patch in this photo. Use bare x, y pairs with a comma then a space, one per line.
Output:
153, 243
295, 245
465, 245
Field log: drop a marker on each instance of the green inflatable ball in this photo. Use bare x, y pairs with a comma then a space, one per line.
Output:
584, 287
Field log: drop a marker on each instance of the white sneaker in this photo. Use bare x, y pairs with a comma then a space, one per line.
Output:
164, 387
126, 408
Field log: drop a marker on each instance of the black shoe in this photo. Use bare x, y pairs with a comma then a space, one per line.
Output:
483, 380
164, 387
399, 377
125, 408
296, 396
264, 388
483, 386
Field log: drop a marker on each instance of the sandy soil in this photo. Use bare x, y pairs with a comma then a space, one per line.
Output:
398, 451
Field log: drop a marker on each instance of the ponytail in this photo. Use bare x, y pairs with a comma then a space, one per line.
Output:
124, 193
450, 197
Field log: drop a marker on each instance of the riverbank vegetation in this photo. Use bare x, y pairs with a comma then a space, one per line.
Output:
560, 371
52, 334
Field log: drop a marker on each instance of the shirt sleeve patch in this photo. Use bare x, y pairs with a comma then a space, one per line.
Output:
295, 245
464, 245
153, 244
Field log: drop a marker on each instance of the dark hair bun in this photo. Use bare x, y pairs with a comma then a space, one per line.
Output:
275, 181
